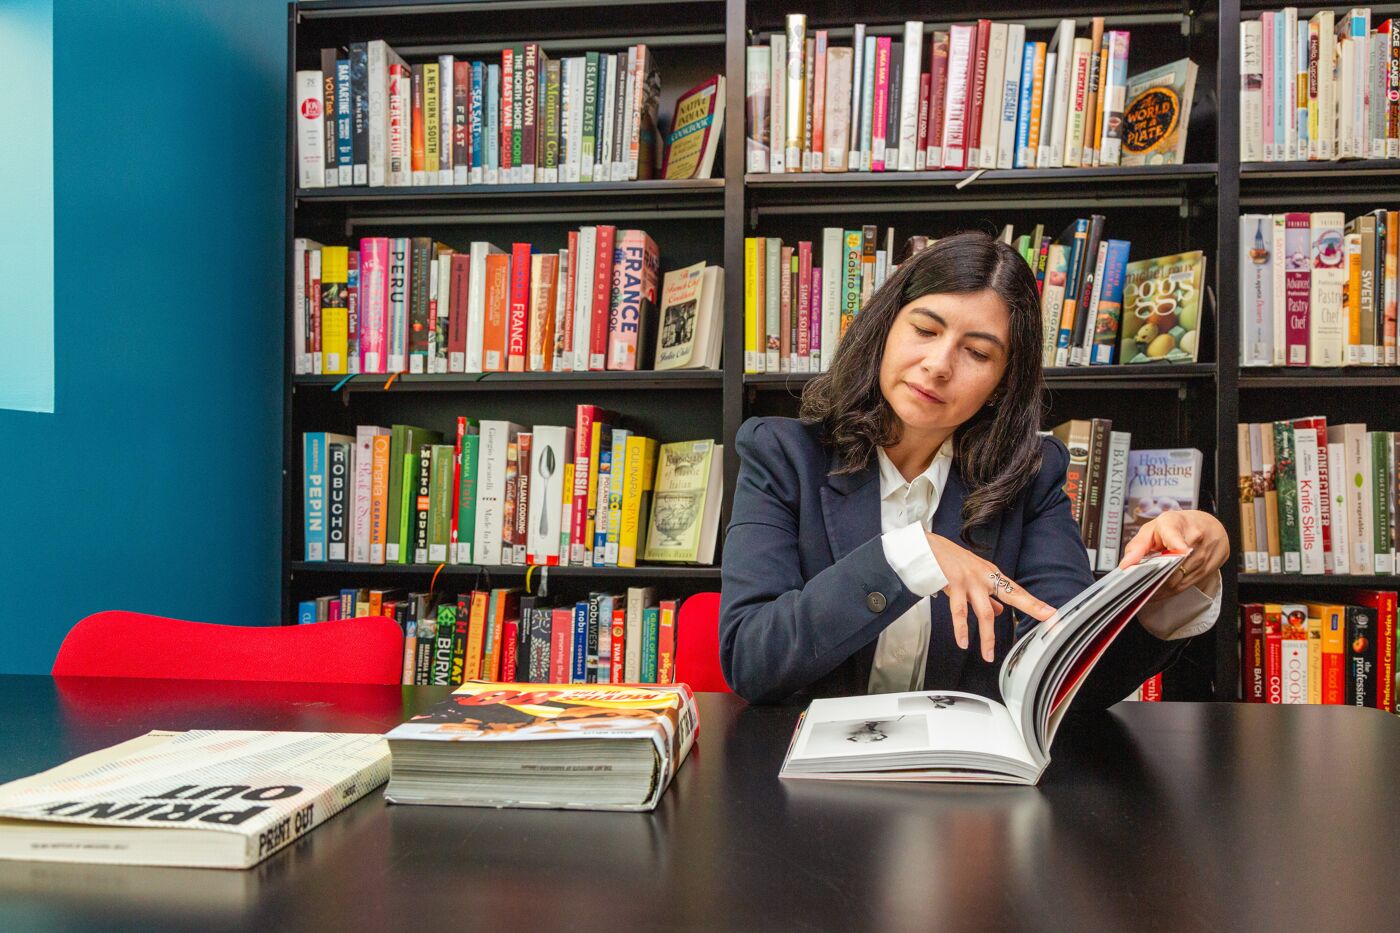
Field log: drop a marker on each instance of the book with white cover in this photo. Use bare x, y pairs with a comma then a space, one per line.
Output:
311, 138
989, 132
1011, 98
203, 799
909, 94
491, 485
947, 735
1053, 153
552, 447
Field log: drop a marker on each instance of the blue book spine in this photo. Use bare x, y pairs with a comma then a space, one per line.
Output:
475, 118
1108, 316
1280, 89
306, 612
1023, 109
359, 109
600, 524
579, 669
651, 625
313, 463
493, 118
344, 151
347, 603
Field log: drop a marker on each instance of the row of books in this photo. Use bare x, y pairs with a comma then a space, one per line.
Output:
1317, 289
990, 98
1318, 498
412, 304
367, 117
594, 494
1097, 308
503, 634
1114, 490
1321, 88
1323, 651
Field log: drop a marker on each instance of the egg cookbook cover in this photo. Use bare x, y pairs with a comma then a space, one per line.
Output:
1162, 309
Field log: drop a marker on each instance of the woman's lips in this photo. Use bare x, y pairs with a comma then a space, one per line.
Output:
927, 394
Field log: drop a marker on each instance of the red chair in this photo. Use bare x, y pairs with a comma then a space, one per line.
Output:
697, 651
365, 650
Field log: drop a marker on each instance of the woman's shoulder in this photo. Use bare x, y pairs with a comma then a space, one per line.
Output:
791, 435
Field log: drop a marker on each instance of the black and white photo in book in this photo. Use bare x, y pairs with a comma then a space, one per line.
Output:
947, 735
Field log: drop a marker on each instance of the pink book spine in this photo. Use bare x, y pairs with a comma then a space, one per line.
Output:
921, 145
374, 304
584, 417
816, 326
804, 302
1266, 30
880, 107
1297, 286
955, 109
569, 284
630, 278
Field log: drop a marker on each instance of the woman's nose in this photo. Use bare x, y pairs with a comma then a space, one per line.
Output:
938, 361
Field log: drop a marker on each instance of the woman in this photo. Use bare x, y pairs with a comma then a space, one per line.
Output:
866, 536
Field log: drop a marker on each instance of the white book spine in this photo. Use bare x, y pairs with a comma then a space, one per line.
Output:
1064, 49
1309, 504
1078, 100
909, 95
832, 254
1115, 484
857, 85
994, 82
583, 297
1047, 110
777, 107
1362, 513
476, 306
1280, 303
1287, 19
1338, 489
363, 467
1327, 312
1256, 290
1251, 93
311, 131
378, 87
756, 85
1011, 96
838, 113
1295, 670
1326, 85
867, 107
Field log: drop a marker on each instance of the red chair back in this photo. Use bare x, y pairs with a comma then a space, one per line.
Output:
365, 650
697, 651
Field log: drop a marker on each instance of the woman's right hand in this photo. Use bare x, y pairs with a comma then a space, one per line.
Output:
970, 583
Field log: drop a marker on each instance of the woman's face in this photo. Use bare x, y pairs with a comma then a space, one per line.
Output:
944, 356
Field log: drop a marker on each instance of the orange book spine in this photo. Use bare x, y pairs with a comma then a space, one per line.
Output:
476, 630
378, 497
666, 643
493, 335
617, 665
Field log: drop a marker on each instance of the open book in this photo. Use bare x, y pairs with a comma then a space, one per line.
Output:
204, 799
945, 735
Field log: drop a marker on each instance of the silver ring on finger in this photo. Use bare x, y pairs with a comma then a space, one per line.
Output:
999, 582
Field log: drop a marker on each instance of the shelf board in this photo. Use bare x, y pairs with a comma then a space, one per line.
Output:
1157, 376
1350, 168
1280, 377
1362, 581
650, 381
664, 572
653, 187
1046, 177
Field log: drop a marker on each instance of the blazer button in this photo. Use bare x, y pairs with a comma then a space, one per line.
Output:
875, 602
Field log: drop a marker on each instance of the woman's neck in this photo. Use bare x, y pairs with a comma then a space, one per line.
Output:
914, 452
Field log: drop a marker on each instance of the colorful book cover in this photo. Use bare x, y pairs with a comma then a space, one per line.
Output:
1157, 114
1162, 301
1109, 313
1160, 481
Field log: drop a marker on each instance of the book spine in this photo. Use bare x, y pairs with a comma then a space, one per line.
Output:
517, 324
601, 298
1286, 479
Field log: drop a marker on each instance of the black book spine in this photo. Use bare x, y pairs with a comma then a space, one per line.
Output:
422, 250
590, 672
1083, 315
421, 504
359, 111
539, 645
526, 607
459, 638
892, 111
442, 647
338, 459
1361, 656
1094, 485
328, 57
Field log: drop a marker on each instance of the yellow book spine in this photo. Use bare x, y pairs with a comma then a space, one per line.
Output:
752, 259
590, 522
1352, 243
1037, 98
566, 515
1314, 659
432, 129
476, 632
641, 464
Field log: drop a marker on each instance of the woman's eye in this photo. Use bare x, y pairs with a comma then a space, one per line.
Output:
979, 356
922, 332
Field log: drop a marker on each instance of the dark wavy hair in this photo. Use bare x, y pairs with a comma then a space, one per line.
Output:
997, 449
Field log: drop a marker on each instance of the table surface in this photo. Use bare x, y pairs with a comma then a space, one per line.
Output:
1151, 816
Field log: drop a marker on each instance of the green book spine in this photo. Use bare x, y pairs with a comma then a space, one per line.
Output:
1380, 494
442, 646
398, 439
409, 475
1286, 474
440, 503
590, 116
466, 500
651, 625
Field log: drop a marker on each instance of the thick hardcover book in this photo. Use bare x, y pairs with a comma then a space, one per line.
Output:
205, 799
953, 736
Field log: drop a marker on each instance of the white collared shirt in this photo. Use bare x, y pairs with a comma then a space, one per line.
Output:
906, 511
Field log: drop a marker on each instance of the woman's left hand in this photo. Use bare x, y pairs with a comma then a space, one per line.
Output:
1188, 530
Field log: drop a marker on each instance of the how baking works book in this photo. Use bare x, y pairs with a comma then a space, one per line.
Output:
945, 735
202, 799
560, 746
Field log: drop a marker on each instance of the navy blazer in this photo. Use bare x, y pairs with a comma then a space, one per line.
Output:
807, 589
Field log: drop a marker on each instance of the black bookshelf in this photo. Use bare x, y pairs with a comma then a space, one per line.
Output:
1163, 209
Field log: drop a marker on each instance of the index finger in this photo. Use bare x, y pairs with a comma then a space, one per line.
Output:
1019, 598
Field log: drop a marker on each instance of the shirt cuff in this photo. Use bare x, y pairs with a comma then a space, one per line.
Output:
1188, 613
908, 554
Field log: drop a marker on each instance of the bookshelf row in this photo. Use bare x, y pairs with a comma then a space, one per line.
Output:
1162, 209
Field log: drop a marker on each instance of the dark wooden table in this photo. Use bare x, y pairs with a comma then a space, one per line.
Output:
1151, 817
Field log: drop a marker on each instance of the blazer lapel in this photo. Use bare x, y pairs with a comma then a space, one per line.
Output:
851, 513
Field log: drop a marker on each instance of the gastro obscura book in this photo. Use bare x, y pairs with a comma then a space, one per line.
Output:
950, 736
574, 746
203, 799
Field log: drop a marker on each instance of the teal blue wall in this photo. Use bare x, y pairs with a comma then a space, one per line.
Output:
154, 484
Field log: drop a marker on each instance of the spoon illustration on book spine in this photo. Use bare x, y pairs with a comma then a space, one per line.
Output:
547, 466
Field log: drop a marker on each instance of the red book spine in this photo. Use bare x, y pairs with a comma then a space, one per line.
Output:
960, 52
602, 297
1384, 602
879, 104
1252, 663
922, 143
977, 86
937, 93
1151, 690
570, 282
517, 325
1297, 285
457, 312
666, 643
419, 157
1273, 655
510, 637
461, 119
561, 634
804, 305
617, 666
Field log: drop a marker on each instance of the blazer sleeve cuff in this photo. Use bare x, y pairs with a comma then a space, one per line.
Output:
907, 551
1186, 614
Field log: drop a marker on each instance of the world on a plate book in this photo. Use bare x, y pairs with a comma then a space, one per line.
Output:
200, 799
946, 735
563, 746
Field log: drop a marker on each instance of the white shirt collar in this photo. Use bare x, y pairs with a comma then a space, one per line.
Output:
891, 480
